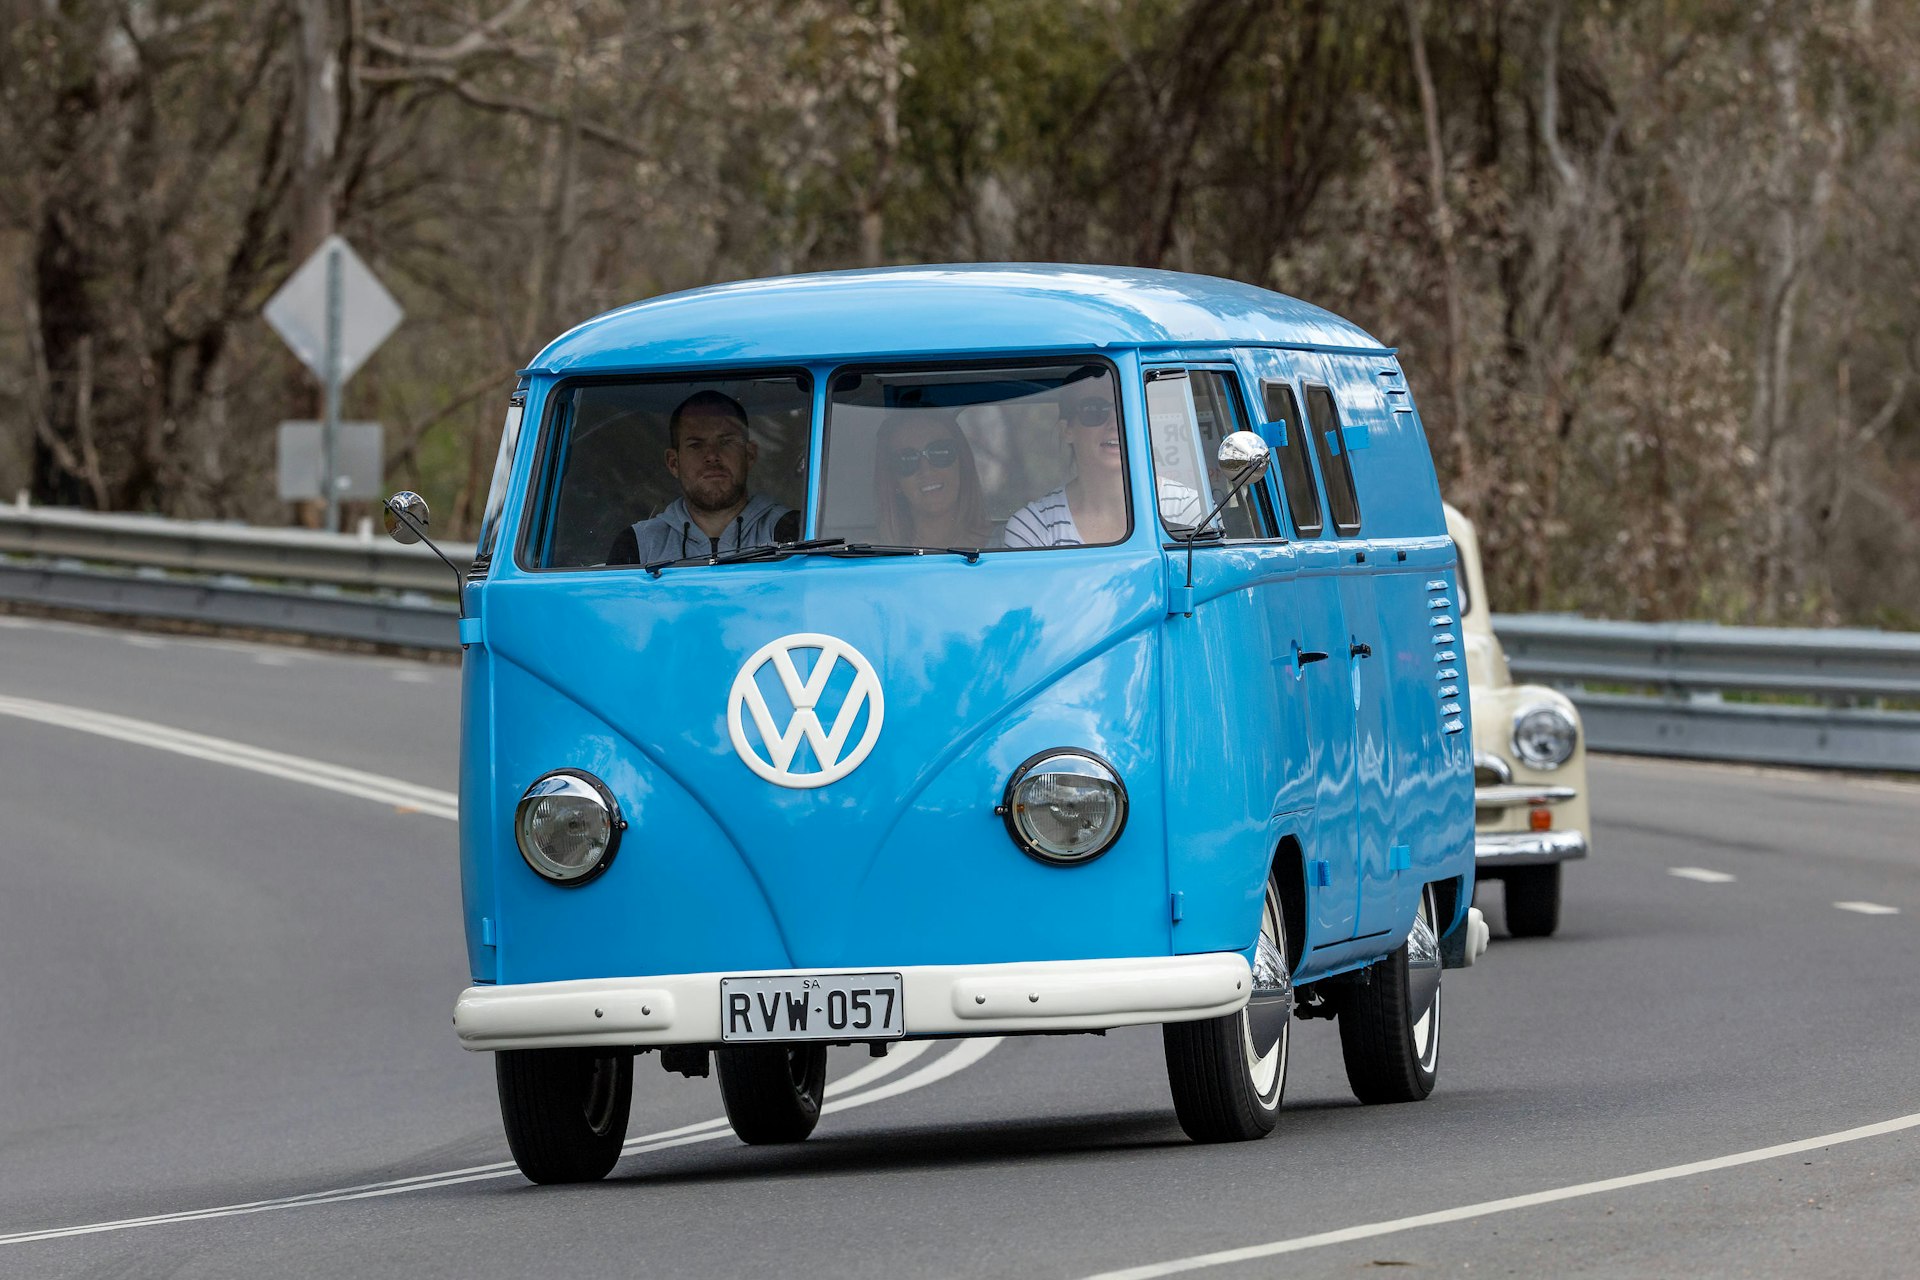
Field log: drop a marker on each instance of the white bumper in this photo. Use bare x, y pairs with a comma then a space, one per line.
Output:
937, 1000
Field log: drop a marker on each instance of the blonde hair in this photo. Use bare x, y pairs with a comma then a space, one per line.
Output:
894, 518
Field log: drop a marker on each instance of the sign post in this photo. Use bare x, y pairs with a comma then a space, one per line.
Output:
334, 312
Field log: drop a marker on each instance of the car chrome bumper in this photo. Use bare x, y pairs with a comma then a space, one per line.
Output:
1527, 848
1511, 795
937, 1000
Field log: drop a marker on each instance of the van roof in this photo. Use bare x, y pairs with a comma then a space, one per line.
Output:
914, 311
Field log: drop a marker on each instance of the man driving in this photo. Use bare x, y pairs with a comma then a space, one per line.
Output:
710, 453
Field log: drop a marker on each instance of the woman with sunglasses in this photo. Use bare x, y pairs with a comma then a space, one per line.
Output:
925, 485
1091, 508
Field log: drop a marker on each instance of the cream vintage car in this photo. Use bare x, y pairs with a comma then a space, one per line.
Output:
1529, 764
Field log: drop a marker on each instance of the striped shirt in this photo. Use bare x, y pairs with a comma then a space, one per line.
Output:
1048, 521
1044, 522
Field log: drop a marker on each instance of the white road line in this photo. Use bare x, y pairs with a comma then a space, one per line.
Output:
1869, 908
200, 746
1701, 874
1346, 1235
965, 1054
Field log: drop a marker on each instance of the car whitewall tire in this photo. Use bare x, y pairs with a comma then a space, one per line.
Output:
1227, 1074
1390, 1017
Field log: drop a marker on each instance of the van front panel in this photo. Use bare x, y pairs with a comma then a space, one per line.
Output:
901, 861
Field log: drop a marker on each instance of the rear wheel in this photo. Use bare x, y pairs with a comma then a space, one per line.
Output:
1533, 900
772, 1091
1227, 1073
1390, 1018
565, 1110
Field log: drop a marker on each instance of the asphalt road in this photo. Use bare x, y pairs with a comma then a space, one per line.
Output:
224, 988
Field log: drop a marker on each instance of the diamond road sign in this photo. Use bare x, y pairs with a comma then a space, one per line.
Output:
368, 313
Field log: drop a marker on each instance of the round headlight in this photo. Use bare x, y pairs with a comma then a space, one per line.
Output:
568, 826
1544, 736
1065, 806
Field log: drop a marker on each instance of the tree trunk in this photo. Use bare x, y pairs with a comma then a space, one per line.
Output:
316, 122
886, 135
1462, 484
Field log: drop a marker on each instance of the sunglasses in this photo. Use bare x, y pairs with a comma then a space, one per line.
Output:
939, 456
1088, 413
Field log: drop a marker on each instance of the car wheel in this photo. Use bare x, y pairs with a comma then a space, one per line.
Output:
772, 1091
565, 1110
1533, 900
1390, 1018
1227, 1073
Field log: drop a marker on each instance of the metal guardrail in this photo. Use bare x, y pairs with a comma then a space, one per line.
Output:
341, 586
1646, 688
1812, 697
365, 562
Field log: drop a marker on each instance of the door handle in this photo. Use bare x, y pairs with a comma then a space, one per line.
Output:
1358, 650
1311, 655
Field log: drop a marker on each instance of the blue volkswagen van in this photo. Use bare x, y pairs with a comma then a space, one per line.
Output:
957, 651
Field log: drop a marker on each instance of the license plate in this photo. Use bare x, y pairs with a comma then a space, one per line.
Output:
830, 1006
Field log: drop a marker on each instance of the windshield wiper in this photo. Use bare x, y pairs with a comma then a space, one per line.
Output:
1185, 533
971, 554
813, 547
773, 550
740, 555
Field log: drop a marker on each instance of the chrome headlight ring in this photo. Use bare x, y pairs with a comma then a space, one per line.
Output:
1064, 806
567, 826
1544, 736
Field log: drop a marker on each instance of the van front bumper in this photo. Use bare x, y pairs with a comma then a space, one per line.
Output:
937, 1000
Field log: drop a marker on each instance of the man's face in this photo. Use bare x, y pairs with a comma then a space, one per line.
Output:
712, 460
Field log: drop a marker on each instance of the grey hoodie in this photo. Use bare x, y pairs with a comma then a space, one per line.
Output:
673, 535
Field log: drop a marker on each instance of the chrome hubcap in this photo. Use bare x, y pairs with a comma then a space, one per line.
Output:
1423, 984
1263, 1023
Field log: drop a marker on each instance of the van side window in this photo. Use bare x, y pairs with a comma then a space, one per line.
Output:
1324, 422
1296, 473
1188, 414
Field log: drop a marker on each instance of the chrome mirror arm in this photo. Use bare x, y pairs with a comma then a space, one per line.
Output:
401, 520
1193, 535
1244, 456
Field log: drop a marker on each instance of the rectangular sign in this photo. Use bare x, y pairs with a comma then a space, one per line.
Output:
360, 461
828, 1006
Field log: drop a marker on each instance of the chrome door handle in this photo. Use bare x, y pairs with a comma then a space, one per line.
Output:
1358, 650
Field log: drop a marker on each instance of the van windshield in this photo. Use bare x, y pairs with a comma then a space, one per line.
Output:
1009, 457
642, 471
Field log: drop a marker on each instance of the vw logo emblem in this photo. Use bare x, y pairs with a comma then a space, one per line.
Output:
834, 758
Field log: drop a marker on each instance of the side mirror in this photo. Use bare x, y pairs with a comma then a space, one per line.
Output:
413, 508
405, 515
1244, 456
1243, 459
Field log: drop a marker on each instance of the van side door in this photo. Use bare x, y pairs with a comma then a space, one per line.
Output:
1417, 656
1310, 627
1360, 649
1232, 720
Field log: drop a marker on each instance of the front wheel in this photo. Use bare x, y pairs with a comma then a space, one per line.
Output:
1390, 1018
1533, 900
772, 1091
565, 1110
1227, 1073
